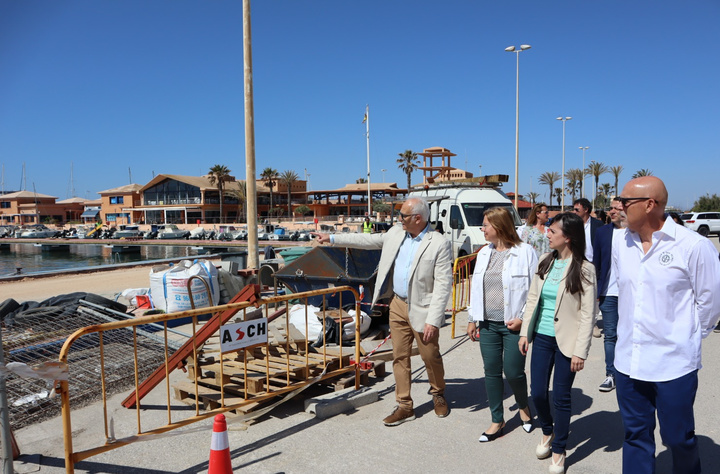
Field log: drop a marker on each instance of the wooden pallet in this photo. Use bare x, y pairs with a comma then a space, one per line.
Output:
247, 372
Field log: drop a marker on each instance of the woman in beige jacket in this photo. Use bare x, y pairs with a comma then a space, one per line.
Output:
558, 320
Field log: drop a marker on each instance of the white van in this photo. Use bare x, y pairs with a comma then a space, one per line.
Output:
457, 210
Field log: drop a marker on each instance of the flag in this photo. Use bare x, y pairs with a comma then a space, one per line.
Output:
365, 118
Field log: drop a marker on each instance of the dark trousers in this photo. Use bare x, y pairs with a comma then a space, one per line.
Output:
673, 400
500, 353
546, 355
609, 309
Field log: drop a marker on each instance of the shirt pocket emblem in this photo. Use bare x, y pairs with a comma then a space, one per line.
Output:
665, 258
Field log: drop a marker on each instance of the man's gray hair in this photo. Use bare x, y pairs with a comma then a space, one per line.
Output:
420, 206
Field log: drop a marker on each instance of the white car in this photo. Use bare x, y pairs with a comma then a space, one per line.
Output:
704, 223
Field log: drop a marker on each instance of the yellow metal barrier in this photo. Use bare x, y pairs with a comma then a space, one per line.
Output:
300, 361
461, 286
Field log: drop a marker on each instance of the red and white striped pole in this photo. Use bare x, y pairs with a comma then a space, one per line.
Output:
220, 448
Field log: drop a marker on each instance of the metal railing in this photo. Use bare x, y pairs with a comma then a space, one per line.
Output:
461, 286
303, 365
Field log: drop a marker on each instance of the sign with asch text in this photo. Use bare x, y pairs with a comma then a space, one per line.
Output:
245, 334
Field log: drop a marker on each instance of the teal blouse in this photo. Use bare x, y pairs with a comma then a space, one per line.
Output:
548, 296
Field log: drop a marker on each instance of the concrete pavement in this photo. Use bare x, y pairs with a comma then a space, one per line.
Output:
293, 441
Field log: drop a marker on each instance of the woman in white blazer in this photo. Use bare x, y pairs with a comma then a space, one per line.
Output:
559, 319
500, 284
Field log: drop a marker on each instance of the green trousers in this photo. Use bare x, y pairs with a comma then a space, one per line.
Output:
500, 353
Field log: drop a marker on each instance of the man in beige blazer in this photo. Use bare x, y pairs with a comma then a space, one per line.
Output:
416, 271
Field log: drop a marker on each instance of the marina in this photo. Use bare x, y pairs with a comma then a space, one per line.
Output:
33, 258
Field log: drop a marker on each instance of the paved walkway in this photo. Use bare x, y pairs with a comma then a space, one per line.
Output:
289, 440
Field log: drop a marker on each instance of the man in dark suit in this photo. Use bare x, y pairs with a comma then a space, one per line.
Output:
608, 289
583, 208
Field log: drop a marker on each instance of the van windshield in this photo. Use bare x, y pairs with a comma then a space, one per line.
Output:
475, 211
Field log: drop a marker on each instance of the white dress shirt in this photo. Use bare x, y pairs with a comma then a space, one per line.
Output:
403, 262
612, 286
588, 242
518, 271
669, 300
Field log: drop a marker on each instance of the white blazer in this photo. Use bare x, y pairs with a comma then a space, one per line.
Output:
518, 270
430, 284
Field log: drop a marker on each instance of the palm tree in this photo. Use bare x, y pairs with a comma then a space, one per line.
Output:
269, 177
218, 175
574, 177
532, 196
602, 200
596, 169
642, 172
558, 195
360, 181
288, 178
616, 170
241, 195
408, 162
549, 178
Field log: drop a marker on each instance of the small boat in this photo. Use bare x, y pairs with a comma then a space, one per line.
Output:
38, 231
128, 232
171, 231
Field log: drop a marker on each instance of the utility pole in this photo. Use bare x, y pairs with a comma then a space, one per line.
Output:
250, 185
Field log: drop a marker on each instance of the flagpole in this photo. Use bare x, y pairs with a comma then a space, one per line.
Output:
367, 135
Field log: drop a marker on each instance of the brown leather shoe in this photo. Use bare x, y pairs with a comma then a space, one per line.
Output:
398, 416
441, 407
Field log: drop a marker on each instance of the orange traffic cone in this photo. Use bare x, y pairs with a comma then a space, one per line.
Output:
220, 448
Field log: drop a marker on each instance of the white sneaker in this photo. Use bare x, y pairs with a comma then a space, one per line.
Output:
608, 385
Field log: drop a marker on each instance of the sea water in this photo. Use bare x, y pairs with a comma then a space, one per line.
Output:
31, 259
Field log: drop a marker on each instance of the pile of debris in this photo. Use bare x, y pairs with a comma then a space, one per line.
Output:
33, 333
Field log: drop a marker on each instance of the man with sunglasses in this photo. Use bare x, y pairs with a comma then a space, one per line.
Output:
668, 301
416, 271
608, 288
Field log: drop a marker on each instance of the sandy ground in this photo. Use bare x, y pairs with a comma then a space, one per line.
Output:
106, 284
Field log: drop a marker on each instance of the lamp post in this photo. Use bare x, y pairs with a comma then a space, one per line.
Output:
383, 173
583, 148
562, 203
512, 49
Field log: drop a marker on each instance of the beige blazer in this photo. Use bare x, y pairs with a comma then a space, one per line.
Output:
575, 315
430, 281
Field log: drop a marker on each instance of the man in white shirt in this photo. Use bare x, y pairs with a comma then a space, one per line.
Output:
668, 301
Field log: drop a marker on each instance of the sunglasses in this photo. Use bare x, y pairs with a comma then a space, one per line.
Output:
625, 202
405, 216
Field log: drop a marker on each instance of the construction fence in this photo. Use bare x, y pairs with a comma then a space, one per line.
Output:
95, 355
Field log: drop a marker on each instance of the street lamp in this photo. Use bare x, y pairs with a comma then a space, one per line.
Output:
562, 203
583, 148
383, 173
512, 49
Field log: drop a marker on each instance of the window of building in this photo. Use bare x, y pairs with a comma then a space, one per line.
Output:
5, 205
116, 199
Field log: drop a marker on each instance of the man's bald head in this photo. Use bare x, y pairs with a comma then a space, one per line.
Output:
648, 210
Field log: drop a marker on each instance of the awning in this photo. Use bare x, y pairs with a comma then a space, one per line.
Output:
90, 214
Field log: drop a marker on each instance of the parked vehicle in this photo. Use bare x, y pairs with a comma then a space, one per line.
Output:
38, 231
457, 211
704, 223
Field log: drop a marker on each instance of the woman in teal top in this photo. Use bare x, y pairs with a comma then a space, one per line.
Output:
558, 320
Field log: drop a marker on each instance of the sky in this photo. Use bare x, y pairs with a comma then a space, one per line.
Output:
118, 90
